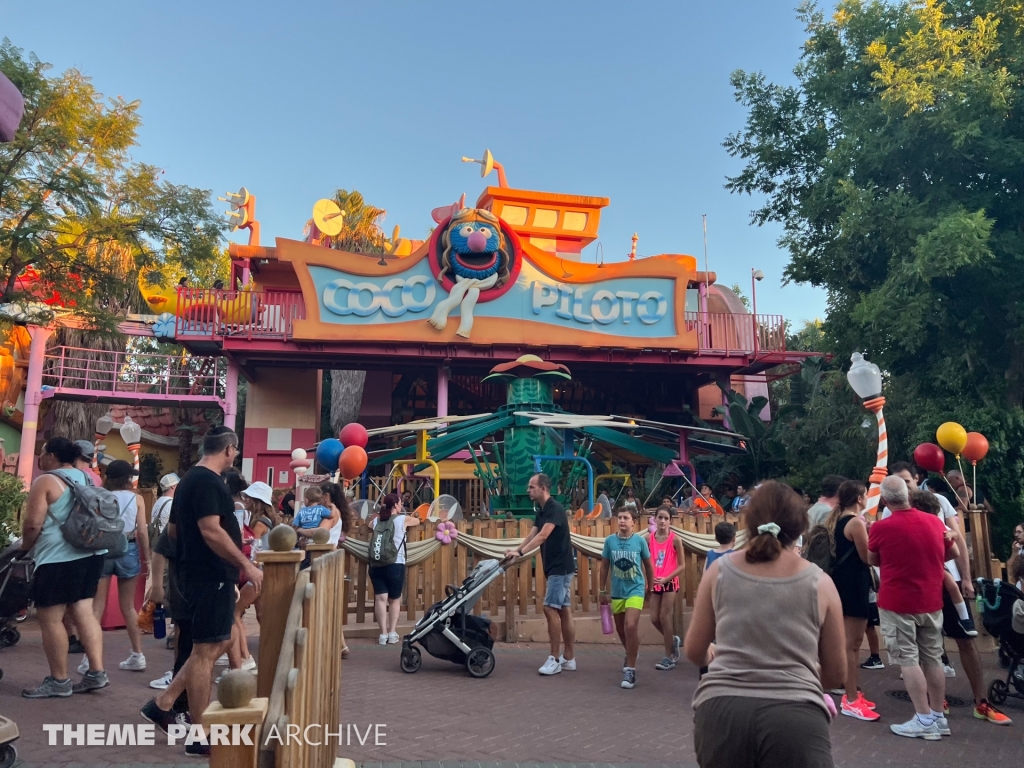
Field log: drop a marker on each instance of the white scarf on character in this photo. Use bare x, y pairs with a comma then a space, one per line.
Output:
464, 295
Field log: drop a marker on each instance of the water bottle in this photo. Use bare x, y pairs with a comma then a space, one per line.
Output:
607, 624
159, 623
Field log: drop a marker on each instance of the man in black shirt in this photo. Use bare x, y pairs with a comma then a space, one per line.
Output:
550, 532
209, 561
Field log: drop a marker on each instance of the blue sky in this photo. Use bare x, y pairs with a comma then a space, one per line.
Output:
625, 100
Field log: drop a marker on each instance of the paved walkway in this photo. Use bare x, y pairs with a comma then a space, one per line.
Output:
514, 717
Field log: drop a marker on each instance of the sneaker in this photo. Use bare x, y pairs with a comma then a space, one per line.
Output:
913, 729
161, 683
677, 643
942, 724
625, 661
145, 620
666, 663
873, 662
569, 665
393, 638
967, 625
183, 718
136, 662
222, 661
858, 709
249, 664
945, 707
551, 667
197, 750
92, 680
161, 718
75, 645
986, 711
382, 640
50, 688
629, 678
948, 670
862, 700
83, 665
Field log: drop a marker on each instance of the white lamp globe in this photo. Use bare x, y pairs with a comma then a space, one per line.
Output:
864, 377
298, 454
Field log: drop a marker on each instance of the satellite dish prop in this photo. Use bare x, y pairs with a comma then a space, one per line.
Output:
328, 217
487, 165
238, 217
445, 508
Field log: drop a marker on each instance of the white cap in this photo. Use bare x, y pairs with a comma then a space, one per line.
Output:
168, 481
260, 491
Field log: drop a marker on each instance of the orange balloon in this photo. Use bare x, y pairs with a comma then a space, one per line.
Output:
352, 462
976, 448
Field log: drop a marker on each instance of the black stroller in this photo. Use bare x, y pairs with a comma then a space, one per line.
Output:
449, 631
996, 599
15, 577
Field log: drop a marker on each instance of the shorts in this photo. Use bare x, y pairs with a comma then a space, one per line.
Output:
388, 578
125, 567
951, 619
732, 731
873, 620
210, 607
559, 591
65, 583
912, 638
619, 605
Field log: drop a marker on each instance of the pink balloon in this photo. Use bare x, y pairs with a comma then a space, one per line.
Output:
929, 457
354, 434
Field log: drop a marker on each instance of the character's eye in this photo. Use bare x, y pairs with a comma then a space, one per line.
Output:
487, 232
466, 230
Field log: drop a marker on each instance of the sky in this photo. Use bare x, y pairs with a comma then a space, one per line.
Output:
629, 101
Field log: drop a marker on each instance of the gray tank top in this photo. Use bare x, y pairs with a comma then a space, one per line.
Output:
766, 637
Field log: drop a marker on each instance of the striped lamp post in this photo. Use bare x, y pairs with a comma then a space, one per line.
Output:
866, 380
103, 426
131, 433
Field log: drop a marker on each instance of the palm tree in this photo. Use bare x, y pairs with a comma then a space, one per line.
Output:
361, 233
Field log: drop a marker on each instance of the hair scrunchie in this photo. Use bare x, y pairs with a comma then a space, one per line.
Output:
770, 528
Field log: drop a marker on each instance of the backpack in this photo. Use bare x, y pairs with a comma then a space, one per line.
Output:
153, 527
820, 550
94, 520
382, 543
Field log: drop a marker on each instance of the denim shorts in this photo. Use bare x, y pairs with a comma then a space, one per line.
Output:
559, 591
127, 566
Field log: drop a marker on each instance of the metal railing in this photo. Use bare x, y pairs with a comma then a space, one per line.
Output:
746, 334
217, 314
75, 369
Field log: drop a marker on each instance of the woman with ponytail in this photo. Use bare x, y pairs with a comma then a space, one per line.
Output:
389, 579
777, 623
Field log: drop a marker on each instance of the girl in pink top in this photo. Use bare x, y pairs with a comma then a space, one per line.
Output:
667, 559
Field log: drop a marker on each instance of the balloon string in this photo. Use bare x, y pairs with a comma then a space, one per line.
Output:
951, 488
974, 472
964, 477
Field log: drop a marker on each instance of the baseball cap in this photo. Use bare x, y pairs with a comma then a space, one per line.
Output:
260, 491
168, 481
88, 449
120, 469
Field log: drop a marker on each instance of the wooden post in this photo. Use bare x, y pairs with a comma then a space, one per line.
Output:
318, 550
280, 570
240, 755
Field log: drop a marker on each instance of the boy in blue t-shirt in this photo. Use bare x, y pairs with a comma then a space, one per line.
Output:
308, 517
624, 554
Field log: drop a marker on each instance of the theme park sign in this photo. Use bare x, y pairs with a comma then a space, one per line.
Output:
474, 282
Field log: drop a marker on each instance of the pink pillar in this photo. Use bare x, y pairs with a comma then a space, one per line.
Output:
231, 395
33, 398
442, 391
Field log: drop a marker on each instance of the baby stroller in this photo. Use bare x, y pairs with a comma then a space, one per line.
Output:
449, 631
996, 599
15, 576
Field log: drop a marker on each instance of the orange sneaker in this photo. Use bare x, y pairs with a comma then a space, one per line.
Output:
945, 707
863, 701
145, 621
857, 709
986, 711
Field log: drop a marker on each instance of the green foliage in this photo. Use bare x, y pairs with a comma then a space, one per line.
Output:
12, 499
361, 232
894, 167
77, 210
151, 469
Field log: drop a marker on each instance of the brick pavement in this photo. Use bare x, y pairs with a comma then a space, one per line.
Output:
515, 716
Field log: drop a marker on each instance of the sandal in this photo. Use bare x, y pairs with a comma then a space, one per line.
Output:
344, 652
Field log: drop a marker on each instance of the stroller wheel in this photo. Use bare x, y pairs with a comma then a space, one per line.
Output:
8, 755
1004, 658
997, 691
480, 662
411, 659
9, 636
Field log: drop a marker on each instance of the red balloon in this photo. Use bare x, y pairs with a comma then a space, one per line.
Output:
352, 462
929, 457
976, 448
354, 434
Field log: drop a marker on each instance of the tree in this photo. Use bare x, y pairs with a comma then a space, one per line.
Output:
78, 214
894, 166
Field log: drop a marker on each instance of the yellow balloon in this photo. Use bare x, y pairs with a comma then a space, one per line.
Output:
952, 437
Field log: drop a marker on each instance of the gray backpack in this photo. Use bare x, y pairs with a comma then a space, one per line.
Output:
94, 521
382, 544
